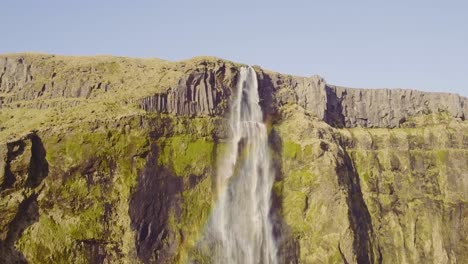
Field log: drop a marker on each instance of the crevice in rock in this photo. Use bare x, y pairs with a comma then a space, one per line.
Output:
343, 257
266, 90
334, 110
27, 214
38, 165
1, 77
207, 94
90, 91
14, 149
28, 210
365, 245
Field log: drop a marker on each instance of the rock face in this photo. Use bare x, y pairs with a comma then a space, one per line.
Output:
387, 108
199, 94
24, 166
23, 80
113, 160
414, 184
350, 107
203, 92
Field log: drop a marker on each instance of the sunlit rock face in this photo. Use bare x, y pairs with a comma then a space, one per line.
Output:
118, 160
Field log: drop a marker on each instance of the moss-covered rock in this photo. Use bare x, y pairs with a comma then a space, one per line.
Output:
413, 182
96, 168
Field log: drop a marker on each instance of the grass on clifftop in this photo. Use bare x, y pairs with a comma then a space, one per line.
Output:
117, 84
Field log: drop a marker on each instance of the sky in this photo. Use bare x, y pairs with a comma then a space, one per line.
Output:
412, 44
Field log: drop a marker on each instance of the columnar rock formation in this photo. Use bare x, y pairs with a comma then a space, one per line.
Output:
198, 95
205, 91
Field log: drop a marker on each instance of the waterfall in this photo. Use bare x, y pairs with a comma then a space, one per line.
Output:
239, 229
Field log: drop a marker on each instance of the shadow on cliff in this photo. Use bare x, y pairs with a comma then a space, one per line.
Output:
288, 246
28, 209
150, 206
365, 245
266, 91
334, 111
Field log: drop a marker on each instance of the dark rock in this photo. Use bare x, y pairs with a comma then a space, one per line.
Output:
155, 196
18, 178
202, 92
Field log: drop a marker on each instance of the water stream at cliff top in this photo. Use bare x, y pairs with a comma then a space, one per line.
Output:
239, 230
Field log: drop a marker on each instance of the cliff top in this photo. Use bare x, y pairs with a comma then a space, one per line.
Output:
39, 91
157, 63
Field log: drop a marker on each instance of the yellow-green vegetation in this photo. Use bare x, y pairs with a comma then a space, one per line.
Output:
196, 208
84, 205
84, 200
85, 89
432, 119
186, 155
413, 180
194, 159
308, 178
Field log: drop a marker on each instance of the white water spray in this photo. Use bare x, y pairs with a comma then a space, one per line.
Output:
239, 230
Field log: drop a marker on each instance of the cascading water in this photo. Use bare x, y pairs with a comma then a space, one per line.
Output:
239, 230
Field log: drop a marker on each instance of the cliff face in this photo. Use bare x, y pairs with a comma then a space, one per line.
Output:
113, 160
202, 87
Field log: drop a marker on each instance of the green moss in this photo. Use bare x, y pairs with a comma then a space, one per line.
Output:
291, 150
416, 141
442, 156
187, 156
300, 179
296, 190
91, 176
102, 167
49, 242
294, 205
89, 223
309, 151
406, 186
188, 227
361, 163
74, 188
430, 119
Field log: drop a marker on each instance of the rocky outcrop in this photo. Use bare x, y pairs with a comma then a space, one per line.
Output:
14, 74
44, 81
414, 184
206, 93
204, 88
26, 78
347, 107
23, 167
350, 107
202, 92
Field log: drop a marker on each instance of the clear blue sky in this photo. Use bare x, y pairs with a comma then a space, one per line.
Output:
420, 44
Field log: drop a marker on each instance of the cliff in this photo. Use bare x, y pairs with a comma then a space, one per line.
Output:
112, 160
